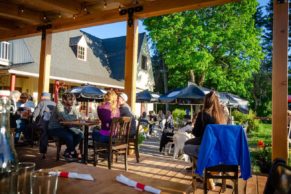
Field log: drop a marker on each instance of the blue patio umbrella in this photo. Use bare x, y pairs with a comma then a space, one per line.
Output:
147, 96
87, 93
192, 94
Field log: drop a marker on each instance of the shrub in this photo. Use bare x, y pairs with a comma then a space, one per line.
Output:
247, 119
262, 157
141, 138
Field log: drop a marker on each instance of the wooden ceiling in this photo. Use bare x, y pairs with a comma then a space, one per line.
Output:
20, 18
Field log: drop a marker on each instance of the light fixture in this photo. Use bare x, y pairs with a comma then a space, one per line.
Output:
74, 16
105, 4
119, 8
60, 15
20, 10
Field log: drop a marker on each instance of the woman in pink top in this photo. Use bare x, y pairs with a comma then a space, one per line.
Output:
106, 111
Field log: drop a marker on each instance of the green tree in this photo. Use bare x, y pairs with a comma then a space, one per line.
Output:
219, 44
262, 92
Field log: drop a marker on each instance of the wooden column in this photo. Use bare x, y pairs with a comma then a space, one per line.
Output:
12, 82
280, 81
44, 63
131, 63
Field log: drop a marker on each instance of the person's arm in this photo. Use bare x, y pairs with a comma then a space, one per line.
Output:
125, 112
37, 111
197, 130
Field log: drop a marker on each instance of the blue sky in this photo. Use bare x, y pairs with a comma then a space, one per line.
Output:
119, 29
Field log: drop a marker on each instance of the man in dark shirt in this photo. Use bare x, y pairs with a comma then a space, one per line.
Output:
125, 111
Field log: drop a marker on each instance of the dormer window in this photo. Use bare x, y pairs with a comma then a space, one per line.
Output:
79, 47
4, 53
81, 53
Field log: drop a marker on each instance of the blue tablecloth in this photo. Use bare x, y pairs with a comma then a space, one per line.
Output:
224, 145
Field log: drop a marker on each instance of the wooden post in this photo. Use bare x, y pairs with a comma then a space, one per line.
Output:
280, 81
12, 82
131, 63
44, 63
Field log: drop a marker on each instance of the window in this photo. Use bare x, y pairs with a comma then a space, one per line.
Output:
144, 65
4, 52
81, 53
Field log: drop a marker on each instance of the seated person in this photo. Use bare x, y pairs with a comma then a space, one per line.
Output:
168, 132
25, 109
125, 111
152, 119
106, 112
211, 113
66, 111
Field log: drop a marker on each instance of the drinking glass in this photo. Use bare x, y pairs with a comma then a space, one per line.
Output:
44, 183
25, 170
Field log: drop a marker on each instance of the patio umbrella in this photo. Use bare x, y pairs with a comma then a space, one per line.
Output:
147, 96
87, 93
192, 94
233, 100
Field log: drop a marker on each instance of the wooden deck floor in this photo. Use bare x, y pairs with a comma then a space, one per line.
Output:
154, 165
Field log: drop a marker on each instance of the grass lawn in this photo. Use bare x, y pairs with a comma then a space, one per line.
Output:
265, 134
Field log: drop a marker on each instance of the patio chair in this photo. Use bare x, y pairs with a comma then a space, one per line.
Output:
133, 142
222, 151
118, 142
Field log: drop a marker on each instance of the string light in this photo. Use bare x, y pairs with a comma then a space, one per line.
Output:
20, 10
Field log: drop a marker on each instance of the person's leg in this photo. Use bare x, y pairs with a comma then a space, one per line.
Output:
64, 135
78, 135
43, 139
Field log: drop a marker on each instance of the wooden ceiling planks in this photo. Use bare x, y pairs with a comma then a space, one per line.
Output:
20, 18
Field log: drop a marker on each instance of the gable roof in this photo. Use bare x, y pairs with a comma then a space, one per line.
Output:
75, 40
64, 64
115, 49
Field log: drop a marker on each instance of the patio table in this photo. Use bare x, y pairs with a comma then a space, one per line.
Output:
105, 182
84, 125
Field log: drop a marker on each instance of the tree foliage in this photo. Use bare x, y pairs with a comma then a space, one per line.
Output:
220, 44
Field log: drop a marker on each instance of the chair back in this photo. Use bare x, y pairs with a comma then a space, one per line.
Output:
119, 130
224, 145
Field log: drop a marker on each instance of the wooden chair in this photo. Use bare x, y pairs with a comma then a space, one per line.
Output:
133, 142
219, 170
118, 141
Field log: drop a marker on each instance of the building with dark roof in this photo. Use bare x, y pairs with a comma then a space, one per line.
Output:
77, 58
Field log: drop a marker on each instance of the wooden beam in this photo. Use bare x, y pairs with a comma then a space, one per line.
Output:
44, 63
131, 63
280, 81
153, 8
12, 11
70, 7
163, 7
6, 26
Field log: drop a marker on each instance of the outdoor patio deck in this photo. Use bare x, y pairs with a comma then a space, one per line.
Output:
152, 164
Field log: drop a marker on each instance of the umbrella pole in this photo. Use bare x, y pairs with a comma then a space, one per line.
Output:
191, 108
87, 108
